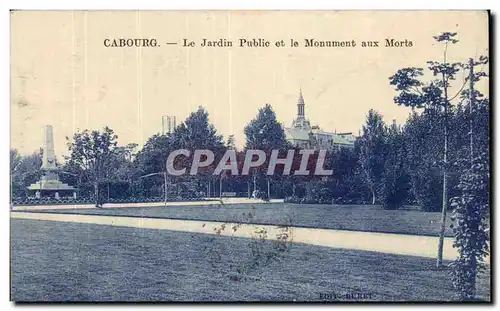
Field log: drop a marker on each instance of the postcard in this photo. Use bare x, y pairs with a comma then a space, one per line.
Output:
250, 156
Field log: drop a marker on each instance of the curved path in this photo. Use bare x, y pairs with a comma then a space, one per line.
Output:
422, 246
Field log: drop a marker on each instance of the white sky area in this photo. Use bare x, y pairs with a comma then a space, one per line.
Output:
63, 75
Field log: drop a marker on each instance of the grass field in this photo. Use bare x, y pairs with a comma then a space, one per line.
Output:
342, 217
57, 261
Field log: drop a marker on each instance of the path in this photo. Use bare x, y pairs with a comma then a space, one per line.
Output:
422, 246
150, 204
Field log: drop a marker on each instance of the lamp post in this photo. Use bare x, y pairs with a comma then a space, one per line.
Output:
164, 181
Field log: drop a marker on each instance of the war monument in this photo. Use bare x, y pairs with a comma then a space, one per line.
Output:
49, 184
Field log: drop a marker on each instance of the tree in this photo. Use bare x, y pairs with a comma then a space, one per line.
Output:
15, 160
432, 96
395, 183
24, 171
371, 157
151, 163
230, 143
121, 171
195, 133
423, 154
471, 206
265, 133
92, 151
470, 213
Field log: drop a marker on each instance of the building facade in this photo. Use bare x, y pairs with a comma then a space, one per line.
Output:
168, 124
303, 135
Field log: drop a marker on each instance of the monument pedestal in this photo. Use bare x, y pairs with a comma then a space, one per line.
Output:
50, 185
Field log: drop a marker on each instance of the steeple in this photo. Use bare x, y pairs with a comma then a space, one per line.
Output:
301, 122
300, 106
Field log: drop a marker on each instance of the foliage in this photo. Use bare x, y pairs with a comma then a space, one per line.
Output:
262, 195
24, 171
424, 159
371, 155
394, 189
347, 181
265, 133
470, 213
318, 191
471, 207
92, 152
434, 97
450, 122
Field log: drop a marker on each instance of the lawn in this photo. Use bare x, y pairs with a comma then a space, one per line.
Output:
342, 217
57, 261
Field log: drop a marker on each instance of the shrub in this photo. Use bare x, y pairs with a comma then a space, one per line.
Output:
394, 191
292, 199
318, 192
259, 194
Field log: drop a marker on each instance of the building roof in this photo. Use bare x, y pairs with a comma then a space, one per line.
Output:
302, 134
296, 133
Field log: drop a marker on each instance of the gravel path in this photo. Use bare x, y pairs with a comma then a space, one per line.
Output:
403, 244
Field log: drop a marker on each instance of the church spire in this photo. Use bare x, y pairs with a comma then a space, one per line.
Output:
300, 106
301, 122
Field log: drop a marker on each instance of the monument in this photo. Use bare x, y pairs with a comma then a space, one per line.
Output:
49, 184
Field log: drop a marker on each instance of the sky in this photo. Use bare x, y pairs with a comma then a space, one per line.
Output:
62, 73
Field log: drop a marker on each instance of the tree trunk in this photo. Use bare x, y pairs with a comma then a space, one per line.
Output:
254, 181
471, 109
220, 187
165, 186
443, 220
473, 276
96, 194
444, 209
249, 192
471, 104
373, 195
268, 189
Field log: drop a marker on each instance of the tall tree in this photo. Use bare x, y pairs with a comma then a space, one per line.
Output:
372, 143
93, 151
423, 154
395, 180
265, 133
432, 96
196, 132
471, 206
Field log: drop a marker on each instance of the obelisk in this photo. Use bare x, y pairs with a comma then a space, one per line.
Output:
49, 158
50, 183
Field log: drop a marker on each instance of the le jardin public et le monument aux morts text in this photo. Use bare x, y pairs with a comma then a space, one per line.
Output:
259, 43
